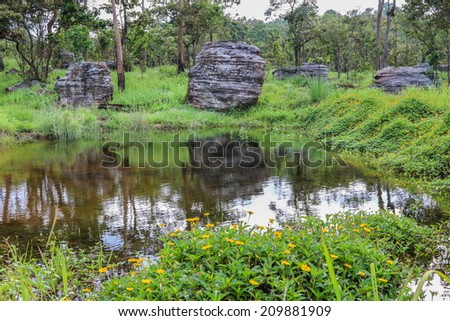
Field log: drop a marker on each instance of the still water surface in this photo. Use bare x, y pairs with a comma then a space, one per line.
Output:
65, 184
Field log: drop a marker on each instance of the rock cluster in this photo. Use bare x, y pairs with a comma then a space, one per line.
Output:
85, 84
394, 80
227, 75
307, 69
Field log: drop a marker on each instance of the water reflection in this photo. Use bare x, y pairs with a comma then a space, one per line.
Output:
128, 208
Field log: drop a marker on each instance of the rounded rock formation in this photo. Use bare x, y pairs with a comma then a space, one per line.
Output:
227, 75
85, 84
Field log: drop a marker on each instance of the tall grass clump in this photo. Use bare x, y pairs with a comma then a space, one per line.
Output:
319, 89
67, 124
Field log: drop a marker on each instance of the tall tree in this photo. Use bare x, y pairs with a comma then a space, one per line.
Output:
378, 34
180, 41
302, 20
389, 17
119, 50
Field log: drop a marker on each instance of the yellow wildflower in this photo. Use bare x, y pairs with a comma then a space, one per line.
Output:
390, 262
102, 270
206, 247
260, 227
147, 290
324, 230
206, 236
285, 262
86, 290
193, 219
355, 230
173, 234
146, 281
207, 214
291, 245
271, 220
171, 243
161, 224
209, 225
334, 256
253, 282
382, 280
130, 289
133, 260
361, 273
277, 234
177, 230
142, 259
366, 229
229, 240
347, 265
340, 227
239, 243
137, 264
250, 212
160, 271
116, 283
287, 252
133, 273
362, 225
305, 268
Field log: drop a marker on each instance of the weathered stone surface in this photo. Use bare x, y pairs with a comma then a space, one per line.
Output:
227, 75
25, 85
443, 68
112, 65
394, 80
307, 69
85, 84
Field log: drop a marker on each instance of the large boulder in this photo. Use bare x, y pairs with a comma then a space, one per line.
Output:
227, 75
394, 80
307, 69
85, 84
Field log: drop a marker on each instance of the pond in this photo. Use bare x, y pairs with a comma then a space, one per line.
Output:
129, 191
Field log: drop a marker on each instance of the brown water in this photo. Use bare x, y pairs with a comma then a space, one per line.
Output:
65, 184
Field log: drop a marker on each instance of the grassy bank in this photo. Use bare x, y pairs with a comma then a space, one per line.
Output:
346, 257
408, 133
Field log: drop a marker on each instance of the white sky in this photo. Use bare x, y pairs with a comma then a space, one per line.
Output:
256, 8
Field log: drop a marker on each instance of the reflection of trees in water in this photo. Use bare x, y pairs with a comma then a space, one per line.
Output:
126, 205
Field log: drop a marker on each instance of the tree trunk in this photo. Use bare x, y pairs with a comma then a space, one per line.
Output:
2, 65
378, 34
119, 50
448, 56
389, 17
181, 32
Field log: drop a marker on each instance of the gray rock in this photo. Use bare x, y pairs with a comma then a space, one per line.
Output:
112, 65
27, 84
394, 80
85, 84
227, 75
307, 69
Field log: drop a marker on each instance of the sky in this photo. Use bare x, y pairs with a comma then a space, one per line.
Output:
256, 8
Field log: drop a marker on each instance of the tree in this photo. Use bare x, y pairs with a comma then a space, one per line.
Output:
430, 20
378, 34
301, 18
180, 41
30, 26
119, 50
389, 17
